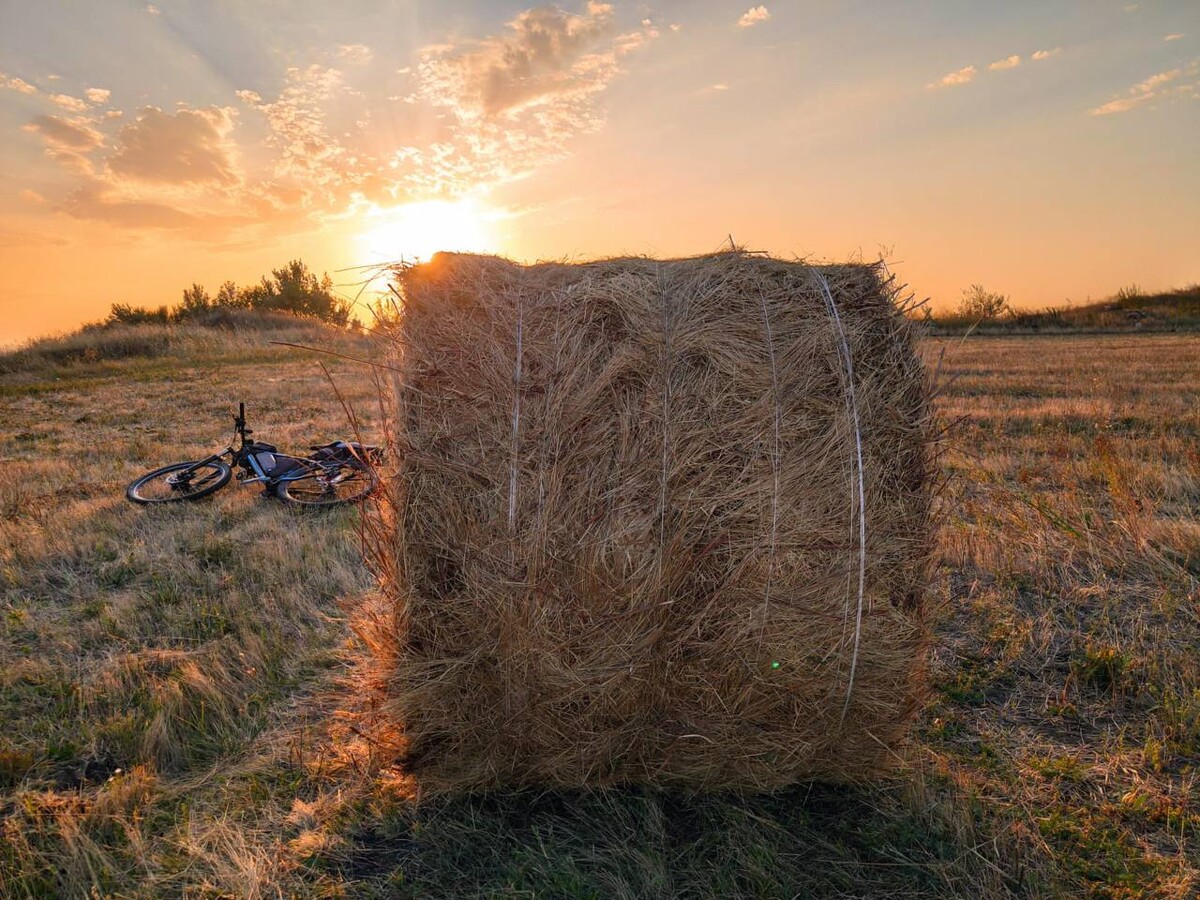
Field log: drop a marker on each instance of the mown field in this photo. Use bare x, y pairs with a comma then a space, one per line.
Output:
186, 695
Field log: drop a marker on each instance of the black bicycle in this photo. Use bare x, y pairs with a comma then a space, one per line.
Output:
335, 473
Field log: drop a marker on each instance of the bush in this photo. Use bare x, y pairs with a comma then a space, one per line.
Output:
1129, 294
125, 314
979, 303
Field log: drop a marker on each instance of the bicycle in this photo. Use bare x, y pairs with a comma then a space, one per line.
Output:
336, 473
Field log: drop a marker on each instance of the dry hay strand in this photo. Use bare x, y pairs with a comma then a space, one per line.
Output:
658, 522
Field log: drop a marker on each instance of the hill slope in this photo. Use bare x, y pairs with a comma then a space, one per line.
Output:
1128, 311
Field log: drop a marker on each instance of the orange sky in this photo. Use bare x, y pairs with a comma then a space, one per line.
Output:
1047, 153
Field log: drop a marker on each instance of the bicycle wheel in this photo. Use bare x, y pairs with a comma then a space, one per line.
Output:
180, 481
328, 486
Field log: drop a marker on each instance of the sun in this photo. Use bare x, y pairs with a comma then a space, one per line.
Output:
416, 231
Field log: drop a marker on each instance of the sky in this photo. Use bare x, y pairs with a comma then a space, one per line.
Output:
1047, 150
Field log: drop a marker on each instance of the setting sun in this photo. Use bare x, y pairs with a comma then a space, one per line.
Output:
419, 230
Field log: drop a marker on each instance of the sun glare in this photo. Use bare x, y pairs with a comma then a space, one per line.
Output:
419, 230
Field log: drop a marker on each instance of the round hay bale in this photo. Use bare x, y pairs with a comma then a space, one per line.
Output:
658, 522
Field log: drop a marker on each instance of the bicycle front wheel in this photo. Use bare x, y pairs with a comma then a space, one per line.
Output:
180, 481
328, 487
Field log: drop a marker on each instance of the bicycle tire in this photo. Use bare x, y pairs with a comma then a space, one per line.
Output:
212, 483
318, 496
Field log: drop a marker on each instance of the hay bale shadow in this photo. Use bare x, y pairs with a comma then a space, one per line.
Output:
903, 840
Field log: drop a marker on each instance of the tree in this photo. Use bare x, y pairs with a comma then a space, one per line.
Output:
229, 297
195, 301
295, 289
980, 303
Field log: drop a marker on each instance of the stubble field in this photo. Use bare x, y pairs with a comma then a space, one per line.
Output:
186, 694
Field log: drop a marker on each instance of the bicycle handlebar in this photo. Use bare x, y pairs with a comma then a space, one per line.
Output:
239, 421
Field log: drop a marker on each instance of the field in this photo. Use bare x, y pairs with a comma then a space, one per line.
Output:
186, 695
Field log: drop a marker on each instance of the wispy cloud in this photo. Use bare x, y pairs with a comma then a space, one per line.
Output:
1010, 63
97, 95
310, 156
753, 16
1154, 87
1174, 37
1039, 55
68, 141
68, 134
153, 10
953, 79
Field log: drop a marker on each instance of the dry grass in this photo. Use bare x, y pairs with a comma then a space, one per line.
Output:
1059, 755
142, 647
109, 349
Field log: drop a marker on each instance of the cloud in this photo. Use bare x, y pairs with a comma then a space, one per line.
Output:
308, 153
68, 141
962, 76
97, 202
490, 109
1173, 37
1131, 7
67, 134
753, 16
74, 104
17, 84
1039, 55
186, 147
1153, 87
546, 55
515, 99
1010, 63
354, 53
153, 10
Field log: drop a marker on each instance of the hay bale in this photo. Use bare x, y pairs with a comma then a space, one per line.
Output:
626, 527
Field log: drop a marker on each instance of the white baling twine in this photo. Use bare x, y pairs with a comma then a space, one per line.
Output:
852, 406
774, 461
666, 401
516, 420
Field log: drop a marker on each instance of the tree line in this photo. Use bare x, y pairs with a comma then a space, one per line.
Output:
292, 289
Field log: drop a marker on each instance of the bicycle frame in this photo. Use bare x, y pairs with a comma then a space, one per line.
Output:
240, 457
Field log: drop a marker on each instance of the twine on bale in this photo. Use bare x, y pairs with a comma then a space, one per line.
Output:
778, 414
666, 421
855, 474
516, 420
646, 614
